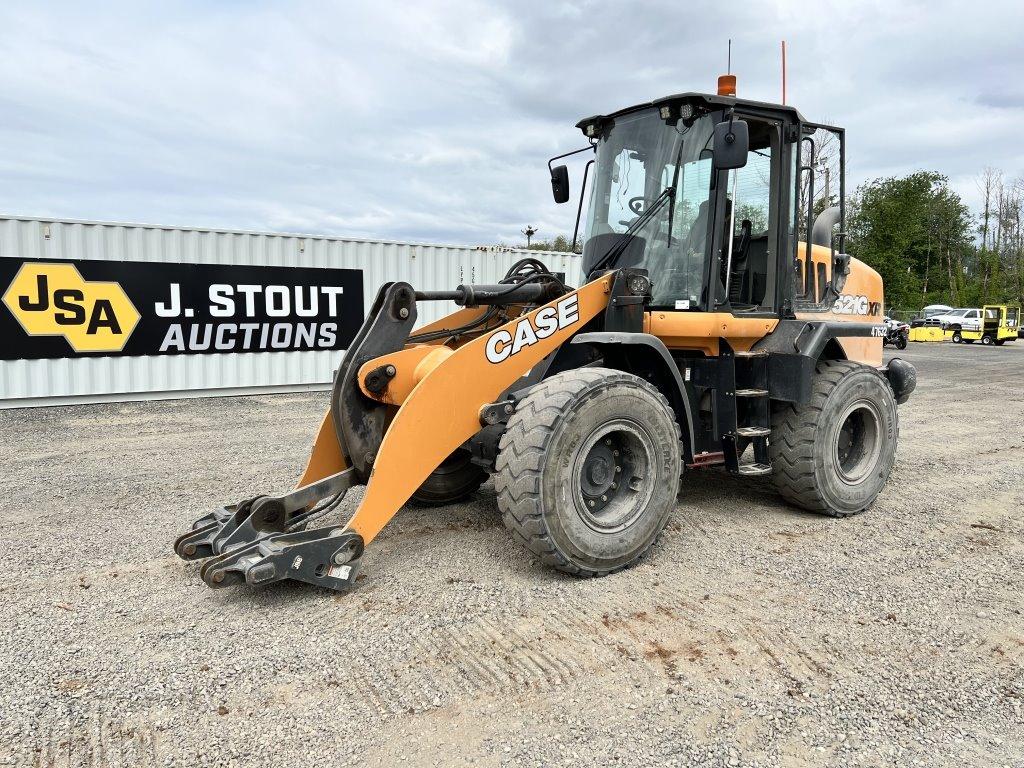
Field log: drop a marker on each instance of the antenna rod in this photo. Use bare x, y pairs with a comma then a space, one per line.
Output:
728, 63
783, 73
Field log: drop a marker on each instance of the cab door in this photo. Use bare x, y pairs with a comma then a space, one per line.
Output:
749, 219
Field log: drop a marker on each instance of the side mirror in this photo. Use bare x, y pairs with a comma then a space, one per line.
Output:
560, 183
732, 142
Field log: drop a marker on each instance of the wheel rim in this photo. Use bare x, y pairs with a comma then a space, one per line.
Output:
611, 476
858, 441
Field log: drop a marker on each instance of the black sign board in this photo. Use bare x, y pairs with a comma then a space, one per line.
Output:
75, 308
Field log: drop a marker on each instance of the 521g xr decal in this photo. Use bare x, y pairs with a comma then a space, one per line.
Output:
847, 304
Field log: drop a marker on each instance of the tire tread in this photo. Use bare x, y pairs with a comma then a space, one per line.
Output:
793, 439
522, 451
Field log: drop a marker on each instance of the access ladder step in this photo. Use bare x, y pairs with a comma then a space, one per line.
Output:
752, 353
751, 393
755, 469
753, 431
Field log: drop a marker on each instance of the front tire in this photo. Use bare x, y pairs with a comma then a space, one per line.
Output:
834, 454
588, 470
454, 480
901, 342
986, 339
957, 338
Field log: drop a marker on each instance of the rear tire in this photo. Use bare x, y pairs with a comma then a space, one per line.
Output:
901, 342
834, 454
454, 480
588, 470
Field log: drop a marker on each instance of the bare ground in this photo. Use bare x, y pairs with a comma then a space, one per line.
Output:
752, 634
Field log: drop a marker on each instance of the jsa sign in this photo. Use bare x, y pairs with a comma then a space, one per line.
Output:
75, 308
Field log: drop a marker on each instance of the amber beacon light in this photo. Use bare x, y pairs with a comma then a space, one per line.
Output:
727, 85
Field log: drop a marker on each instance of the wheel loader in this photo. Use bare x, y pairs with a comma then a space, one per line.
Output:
719, 324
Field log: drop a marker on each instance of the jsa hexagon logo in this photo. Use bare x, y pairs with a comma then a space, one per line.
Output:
54, 300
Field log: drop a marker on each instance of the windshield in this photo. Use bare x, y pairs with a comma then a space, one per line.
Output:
637, 159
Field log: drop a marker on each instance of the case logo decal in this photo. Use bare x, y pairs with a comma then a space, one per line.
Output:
503, 344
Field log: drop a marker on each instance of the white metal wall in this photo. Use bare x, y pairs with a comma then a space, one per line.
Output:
45, 382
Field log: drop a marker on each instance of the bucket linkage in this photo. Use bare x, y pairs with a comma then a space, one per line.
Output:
265, 539
392, 416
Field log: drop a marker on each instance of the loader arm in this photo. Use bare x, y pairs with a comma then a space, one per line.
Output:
443, 409
399, 409
326, 457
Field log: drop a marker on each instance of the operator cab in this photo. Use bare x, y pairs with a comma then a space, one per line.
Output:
712, 195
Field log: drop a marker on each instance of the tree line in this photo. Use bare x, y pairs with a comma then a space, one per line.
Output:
930, 248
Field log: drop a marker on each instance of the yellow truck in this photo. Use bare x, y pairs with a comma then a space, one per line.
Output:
999, 324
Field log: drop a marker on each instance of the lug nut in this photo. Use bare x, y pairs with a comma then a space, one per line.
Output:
618, 468
607, 441
390, 370
615, 453
340, 559
603, 497
218, 577
508, 407
590, 503
403, 312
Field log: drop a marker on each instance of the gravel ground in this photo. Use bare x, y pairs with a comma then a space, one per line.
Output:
752, 634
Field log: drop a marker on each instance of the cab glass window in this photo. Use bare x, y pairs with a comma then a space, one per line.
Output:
751, 205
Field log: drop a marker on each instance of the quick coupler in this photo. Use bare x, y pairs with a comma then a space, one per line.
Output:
327, 557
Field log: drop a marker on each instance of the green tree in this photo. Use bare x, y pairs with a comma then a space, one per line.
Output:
560, 244
917, 233
756, 213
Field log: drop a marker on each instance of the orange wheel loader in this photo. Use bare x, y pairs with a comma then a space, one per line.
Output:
719, 323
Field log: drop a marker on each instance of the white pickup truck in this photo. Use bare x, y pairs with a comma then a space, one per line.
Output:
959, 320
963, 319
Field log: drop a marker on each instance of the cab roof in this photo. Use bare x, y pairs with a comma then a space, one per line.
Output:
702, 102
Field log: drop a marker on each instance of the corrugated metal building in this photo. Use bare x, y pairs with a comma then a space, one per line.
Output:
69, 380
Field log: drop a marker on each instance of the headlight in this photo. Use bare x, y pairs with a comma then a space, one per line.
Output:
638, 285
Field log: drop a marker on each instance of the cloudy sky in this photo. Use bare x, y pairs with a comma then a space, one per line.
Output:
432, 121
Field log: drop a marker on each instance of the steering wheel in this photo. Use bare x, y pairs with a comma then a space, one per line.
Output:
636, 204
